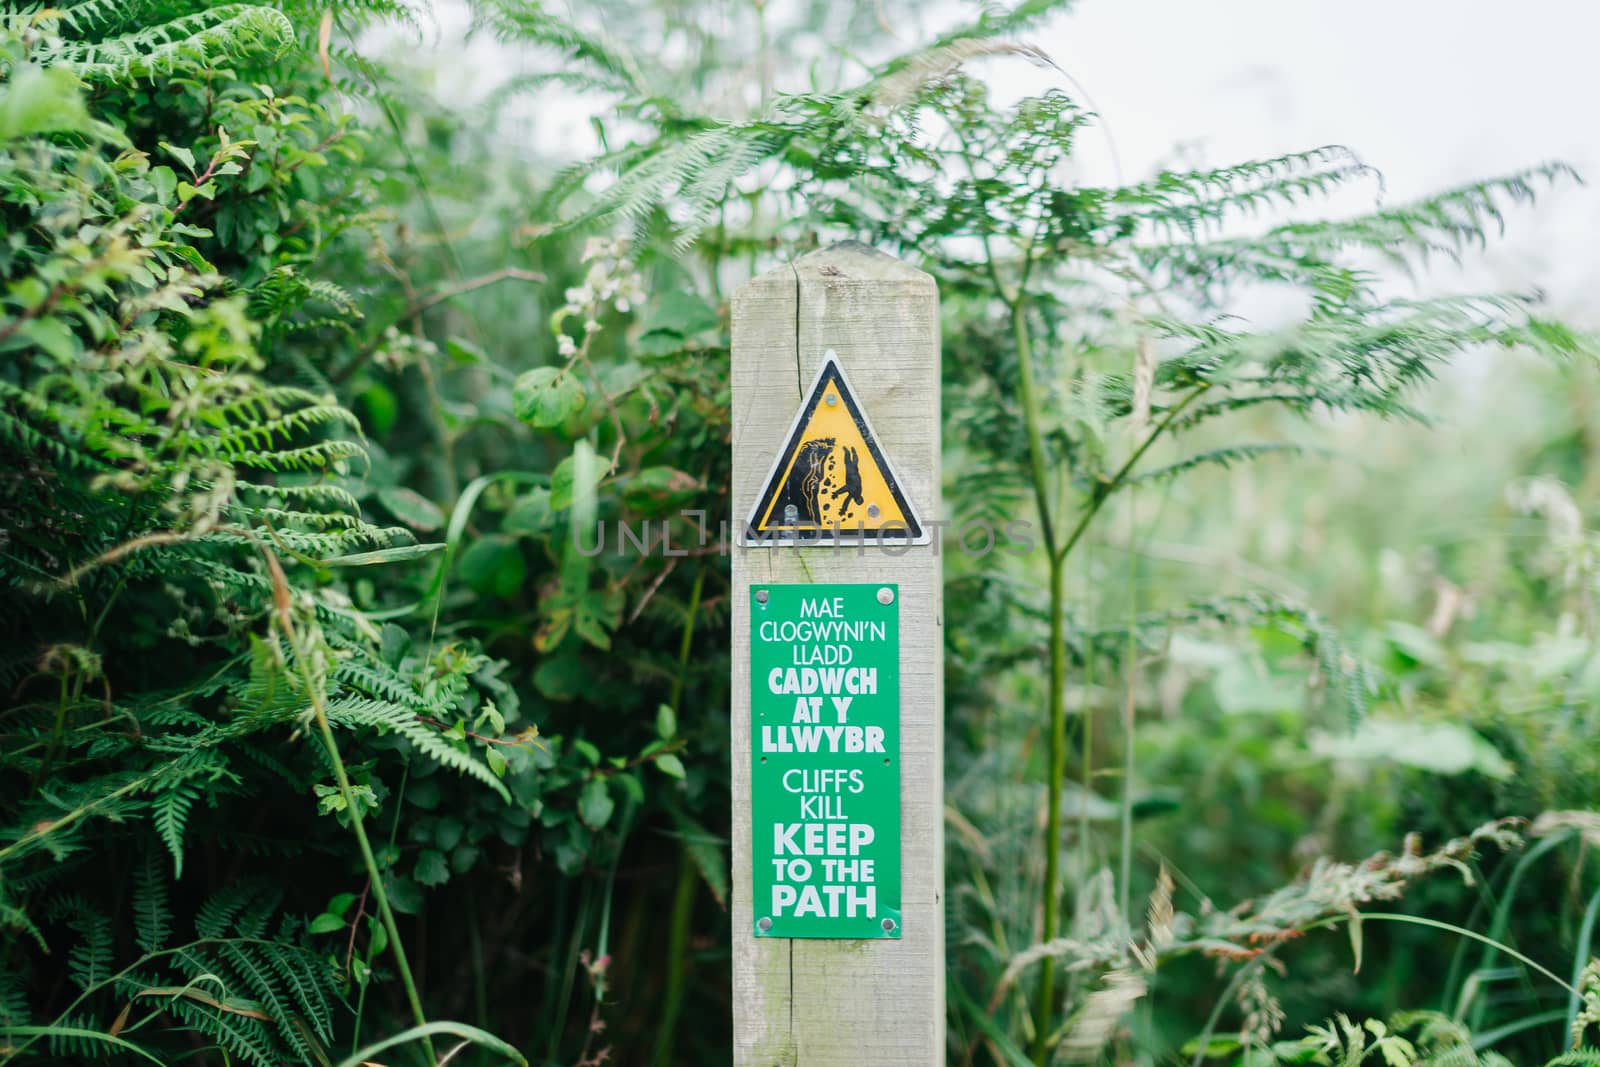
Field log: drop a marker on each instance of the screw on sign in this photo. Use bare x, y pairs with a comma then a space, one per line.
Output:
838, 947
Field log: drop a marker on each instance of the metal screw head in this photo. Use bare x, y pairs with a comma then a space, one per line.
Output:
764, 924
886, 595
791, 513
830, 400
888, 925
761, 596
873, 511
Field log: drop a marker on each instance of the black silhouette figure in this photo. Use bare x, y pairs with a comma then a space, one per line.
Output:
851, 489
802, 489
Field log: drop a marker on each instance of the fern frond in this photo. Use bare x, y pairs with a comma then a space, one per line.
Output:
1218, 457
89, 961
1189, 201
1367, 358
100, 16
282, 518
1308, 252
428, 740
320, 456
217, 917
76, 1039
258, 435
380, 683
317, 544
285, 292
245, 1038
13, 998
906, 77
30, 435
313, 494
152, 910
997, 20
193, 40
734, 149
309, 981
18, 921
605, 63
1583, 1057
261, 983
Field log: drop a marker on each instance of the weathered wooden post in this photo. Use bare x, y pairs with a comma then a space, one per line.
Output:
838, 689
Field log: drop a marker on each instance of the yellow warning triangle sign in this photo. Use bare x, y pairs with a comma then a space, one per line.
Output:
831, 483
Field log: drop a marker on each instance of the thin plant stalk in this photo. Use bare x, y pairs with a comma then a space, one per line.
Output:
1055, 775
1203, 1042
394, 835
1418, 920
1086, 727
1500, 925
319, 712
1129, 708
379, 896
569, 973
1044, 1002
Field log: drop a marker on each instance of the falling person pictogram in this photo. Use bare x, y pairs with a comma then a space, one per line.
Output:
851, 489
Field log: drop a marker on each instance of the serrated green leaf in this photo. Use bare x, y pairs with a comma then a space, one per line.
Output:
431, 868
546, 397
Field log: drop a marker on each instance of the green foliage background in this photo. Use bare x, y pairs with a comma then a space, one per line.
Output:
320, 730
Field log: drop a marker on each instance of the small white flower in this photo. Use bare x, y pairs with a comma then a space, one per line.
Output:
566, 346
630, 292
580, 297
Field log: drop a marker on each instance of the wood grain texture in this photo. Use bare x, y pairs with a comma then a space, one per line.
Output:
812, 1003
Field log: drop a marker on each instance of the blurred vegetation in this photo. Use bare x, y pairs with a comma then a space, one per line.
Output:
324, 743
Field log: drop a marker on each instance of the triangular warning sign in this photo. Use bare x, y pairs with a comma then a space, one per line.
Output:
831, 483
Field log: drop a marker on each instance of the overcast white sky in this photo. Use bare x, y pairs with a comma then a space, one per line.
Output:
1434, 93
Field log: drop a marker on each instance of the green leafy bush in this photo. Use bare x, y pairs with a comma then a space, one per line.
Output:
326, 720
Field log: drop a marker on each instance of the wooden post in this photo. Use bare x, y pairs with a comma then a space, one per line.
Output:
804, 1002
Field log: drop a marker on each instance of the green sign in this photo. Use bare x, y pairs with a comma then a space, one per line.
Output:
825, 760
